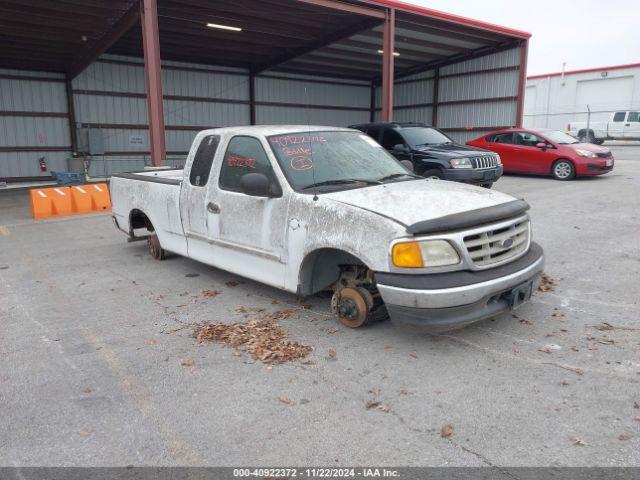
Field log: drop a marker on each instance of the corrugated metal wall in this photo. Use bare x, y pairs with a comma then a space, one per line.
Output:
33, 123
296, 99
482, 94
110, 95
473, 96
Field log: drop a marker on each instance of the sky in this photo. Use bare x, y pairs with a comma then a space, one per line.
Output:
583, 34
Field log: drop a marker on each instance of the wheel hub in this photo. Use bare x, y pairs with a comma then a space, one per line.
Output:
351, 306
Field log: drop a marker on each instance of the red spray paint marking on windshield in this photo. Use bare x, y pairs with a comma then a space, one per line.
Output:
241, 162
301, 163
287, 140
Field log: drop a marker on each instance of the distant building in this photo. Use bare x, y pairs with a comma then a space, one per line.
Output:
555, 99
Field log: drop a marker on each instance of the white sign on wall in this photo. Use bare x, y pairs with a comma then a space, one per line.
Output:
136, 140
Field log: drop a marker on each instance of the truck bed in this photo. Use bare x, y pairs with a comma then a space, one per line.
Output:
168, 176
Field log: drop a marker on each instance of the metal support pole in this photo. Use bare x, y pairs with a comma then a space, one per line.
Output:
71, 113
436, 93
252, 99
153, 75
388, 36
522, 73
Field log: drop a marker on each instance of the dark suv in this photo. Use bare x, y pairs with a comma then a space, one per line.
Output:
433, 154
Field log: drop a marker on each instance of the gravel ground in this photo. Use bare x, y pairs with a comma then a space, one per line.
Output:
94, 335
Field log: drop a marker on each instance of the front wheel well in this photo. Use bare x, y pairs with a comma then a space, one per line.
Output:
322, 268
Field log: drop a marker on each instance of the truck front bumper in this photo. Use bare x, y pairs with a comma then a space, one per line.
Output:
445, 301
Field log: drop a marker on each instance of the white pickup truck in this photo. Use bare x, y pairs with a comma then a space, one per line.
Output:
623, 125
306, 209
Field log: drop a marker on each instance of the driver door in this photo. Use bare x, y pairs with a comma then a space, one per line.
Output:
533, 159
250, 230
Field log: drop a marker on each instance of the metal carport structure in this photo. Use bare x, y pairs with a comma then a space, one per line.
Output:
457, 73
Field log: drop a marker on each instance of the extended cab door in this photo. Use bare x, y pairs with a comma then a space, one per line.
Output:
632, 126
197, 222
250, 237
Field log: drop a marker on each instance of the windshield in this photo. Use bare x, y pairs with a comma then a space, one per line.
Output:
559, 137
334, 160
417, 136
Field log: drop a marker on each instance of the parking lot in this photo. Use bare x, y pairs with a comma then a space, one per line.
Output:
100, 367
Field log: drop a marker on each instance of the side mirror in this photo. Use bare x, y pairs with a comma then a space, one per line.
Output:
400, 148
541, 145
258, 185
407, 164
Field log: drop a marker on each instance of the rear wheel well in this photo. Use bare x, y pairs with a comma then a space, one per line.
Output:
138, 219
321, 268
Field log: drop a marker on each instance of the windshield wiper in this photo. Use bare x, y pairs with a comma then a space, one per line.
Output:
397, 175
342, 181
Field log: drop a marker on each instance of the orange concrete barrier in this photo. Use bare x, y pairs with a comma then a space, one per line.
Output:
58, 201
100, 199
80, 199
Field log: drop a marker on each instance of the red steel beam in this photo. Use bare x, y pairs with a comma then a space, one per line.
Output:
524, 50
388, 46
153, 76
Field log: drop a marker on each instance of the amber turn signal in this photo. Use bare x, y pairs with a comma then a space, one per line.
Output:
407, 255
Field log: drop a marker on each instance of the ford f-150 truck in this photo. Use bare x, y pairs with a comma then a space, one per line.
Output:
622, 125
307, 209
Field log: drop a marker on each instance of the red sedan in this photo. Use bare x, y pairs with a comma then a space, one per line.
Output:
545, 152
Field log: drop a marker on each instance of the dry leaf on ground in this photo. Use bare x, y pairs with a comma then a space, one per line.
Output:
187, 362
211, 293
624, 437
331, 330
151, 341
261, 337
446, 431
372, 404
384, 408
579, 441
232, 283
413, 355
286, 400
545, 350
332, 353
404, 391
547, 284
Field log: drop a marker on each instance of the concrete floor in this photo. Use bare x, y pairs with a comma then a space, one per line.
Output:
93, 332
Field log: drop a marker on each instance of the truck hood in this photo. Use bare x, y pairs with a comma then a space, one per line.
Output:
415, 201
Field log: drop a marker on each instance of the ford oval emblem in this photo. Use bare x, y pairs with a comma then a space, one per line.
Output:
506, 243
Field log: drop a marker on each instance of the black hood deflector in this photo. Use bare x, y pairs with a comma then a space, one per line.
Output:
472, 218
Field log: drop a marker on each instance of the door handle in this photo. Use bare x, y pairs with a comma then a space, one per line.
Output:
213, 208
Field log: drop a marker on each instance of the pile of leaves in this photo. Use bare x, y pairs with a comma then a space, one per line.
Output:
261, 337
547, 284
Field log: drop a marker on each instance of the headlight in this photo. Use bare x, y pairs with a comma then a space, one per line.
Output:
460, 163
428, 253
585, 153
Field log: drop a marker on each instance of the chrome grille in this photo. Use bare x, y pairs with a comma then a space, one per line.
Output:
493, 246
486, 161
